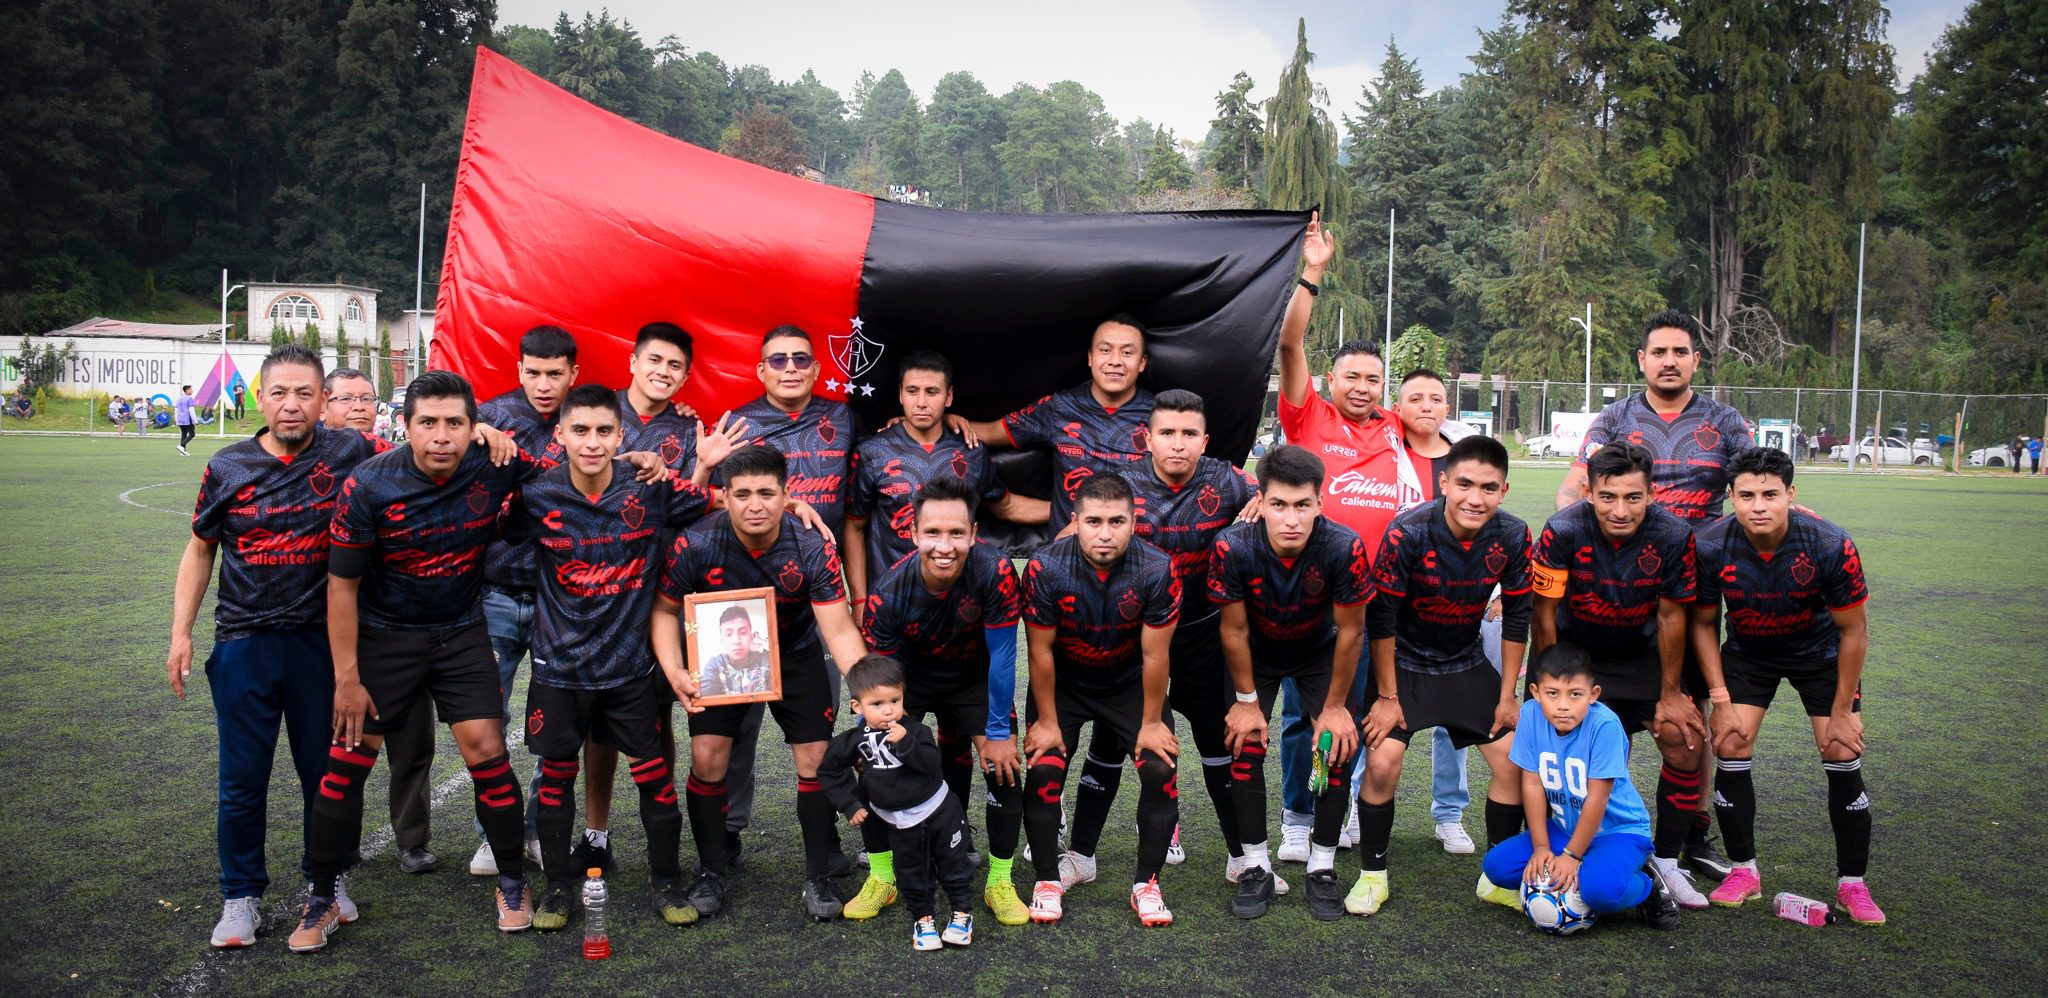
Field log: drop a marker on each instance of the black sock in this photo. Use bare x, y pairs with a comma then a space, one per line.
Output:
338, 816
1004, 814
1158, 812
707, 821
1099, 781
814, 815
1735, 801
1678, 800
556, 816
956, 764
1216, 779
1503, 822
1043, 783
1849, 813
499, 810
659, 816
1248, 791
874, 836
1375, 830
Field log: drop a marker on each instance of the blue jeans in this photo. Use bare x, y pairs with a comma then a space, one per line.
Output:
509, 618
258, 682
1611, 879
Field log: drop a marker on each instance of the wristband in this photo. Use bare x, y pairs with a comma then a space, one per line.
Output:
1719, 694
1247, 698
1312, 289
1576, 858
1390, 696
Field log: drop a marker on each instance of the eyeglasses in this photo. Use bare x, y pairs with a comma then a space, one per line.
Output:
352, 399
783, 361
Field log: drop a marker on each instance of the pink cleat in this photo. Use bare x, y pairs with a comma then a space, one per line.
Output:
1742, 884
1853, 899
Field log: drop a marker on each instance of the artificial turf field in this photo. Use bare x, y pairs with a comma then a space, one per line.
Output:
107, 793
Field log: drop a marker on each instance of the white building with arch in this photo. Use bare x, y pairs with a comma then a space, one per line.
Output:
293, 305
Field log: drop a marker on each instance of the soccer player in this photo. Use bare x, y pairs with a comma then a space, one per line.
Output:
900, 787
597, 535
1614, 574
1100, 609
1292, 590
1182, 499
754, 543
404, 578
269, 498
1586, 820
1794, 587
1692, 438
1436, 571
949, 615
547, 367
187, 427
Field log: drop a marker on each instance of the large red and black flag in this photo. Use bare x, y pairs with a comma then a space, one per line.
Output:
566, 214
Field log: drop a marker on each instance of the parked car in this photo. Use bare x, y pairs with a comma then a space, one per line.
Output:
1890, 450
1548, 445
1995, 456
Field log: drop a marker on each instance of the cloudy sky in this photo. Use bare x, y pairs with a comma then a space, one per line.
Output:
1160, 59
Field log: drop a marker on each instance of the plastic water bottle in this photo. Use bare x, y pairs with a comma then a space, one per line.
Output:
597, 944
1319, 769
1804, 910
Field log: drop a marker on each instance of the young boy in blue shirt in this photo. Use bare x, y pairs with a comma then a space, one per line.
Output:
1588, 827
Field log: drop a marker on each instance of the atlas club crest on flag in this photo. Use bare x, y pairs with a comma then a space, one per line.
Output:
566, 214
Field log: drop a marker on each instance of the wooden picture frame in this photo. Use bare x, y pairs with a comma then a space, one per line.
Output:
711, 628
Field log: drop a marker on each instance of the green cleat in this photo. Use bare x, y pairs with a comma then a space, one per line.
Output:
552, 915
672, 901
874, 896
1496, 894
1368, 894
1008, 907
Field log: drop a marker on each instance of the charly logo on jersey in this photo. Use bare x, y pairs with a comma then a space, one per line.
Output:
1496, 558
1649, 561
1074, 478
479, 498
791, 577
1802, 569
632, 512
322, 479
856, 355
1130, 605
1706, 436
1208, 500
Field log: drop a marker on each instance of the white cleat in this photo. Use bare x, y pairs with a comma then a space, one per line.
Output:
1075, 869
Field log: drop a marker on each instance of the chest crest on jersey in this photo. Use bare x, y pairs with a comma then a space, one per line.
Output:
322, 479
1802, 569
969, 610
1649, 561
1208, 500
791, 577
671, 451
1706, 436
1312, 581
1130, 605
632, 512
1496, 558
826, 432
479, 498
960, 465
1140, 440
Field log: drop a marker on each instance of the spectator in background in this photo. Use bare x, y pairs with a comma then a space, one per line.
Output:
2033, 456
117, 414
187, 427
142, 415
2018, 446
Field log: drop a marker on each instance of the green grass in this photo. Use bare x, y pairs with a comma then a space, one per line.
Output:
107, 788
84, 415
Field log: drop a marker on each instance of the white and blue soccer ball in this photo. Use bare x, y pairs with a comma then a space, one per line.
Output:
1558, 913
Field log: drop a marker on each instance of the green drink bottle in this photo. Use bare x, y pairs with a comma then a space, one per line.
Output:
1319, 770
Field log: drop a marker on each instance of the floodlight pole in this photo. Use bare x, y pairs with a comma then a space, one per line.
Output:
419, 278
220, 404
1587, 324
1856, 364
1390, 291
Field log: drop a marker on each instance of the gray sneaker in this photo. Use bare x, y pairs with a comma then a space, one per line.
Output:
342, 902
238, 924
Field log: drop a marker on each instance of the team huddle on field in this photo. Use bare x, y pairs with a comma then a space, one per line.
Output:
1365, 577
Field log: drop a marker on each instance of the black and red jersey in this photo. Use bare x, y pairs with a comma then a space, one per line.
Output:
600, 563
1778, 604
817, 441
1289, 602
889, 469
509, 563
1691, 449
269, 515
942, 636
1086, 437
1099, 615
1434, 588
1608, 591
1183, 520
802, 566
417, 543
667, 433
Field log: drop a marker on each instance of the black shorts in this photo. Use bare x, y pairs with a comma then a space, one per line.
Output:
1198, 685
1310, 672
1754, 683
805, 713
457, 668
1636, 713
629, 717
958, 699
1117, 715
1631, 679
1461, 703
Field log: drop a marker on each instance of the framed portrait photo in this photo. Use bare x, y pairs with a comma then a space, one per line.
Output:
732, 647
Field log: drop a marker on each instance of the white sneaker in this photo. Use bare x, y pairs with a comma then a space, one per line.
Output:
342, 902
1678, 880
1349, 836
1454, 837
1075, 869
1293, 844
1234, 866
533, 851
238, 924
182, 450
483, 864
1175, 855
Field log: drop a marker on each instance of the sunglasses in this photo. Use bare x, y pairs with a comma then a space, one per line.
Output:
784, 361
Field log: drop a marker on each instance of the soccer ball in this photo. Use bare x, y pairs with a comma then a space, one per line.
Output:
1558, 914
